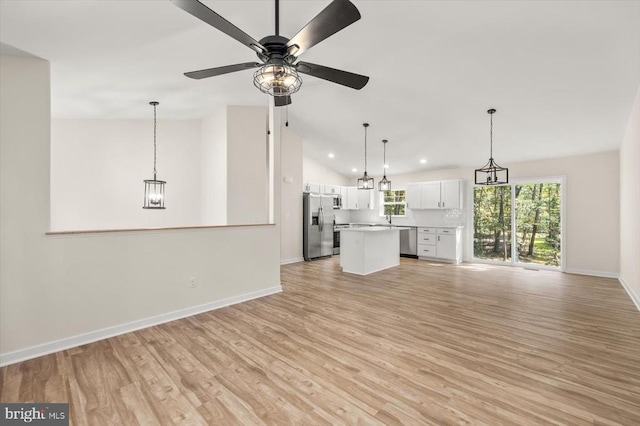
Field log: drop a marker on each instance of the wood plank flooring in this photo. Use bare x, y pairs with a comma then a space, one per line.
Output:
422, 343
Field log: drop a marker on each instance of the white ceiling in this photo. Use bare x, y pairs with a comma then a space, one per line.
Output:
562, 74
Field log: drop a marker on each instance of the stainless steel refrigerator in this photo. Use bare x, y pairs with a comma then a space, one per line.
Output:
317, 231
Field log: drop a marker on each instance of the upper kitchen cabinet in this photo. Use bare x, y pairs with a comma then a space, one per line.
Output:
357, 199
365, 198
331, 189
313, 188
451, 194
446, 194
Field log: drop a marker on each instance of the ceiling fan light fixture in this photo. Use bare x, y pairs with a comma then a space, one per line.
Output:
491, 173
277, 79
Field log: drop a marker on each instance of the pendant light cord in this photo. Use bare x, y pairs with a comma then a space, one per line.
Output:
277, 17
491, 138
384, 159
365, 147
154, 142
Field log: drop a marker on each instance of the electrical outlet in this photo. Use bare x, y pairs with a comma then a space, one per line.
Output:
193, 282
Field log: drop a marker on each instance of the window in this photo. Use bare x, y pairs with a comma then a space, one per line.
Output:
393, 203
519, 223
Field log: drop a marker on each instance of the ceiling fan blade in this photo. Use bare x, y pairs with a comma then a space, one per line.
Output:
349, 79
207, 15
211, 72
282, 100
333, 18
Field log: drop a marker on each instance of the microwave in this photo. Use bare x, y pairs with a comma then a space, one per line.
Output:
337, 201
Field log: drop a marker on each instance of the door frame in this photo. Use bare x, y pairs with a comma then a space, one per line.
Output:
562, 180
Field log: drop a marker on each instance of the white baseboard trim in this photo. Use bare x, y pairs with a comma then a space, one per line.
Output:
634, 297
105, 333
592, 273
294, 260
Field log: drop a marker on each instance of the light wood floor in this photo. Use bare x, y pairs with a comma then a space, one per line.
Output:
422, 343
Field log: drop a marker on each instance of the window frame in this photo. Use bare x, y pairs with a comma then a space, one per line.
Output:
382, 203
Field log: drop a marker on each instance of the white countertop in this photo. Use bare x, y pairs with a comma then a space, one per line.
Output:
360, 225
379, 228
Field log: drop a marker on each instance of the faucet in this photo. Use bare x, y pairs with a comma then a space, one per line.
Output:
388, 217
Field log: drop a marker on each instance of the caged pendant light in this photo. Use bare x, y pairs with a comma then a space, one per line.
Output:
491, 173
154, 188
365, 182
384, 184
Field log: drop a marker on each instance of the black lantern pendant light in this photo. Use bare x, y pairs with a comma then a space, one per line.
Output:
384, 184
365, 182
492, 173
153, 188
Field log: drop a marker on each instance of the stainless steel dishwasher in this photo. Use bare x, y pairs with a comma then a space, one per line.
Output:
409, 242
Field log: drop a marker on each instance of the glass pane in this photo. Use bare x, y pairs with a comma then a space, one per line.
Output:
492, 222
538, 228
394, 209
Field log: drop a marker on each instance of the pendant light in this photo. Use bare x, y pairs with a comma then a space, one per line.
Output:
153, 188
365, 182
491, 173
384, 184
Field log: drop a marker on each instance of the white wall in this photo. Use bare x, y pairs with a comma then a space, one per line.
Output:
213, 168
54, 290
291, 214
630, 205
247, 183
592, 205
316, 172
97, 169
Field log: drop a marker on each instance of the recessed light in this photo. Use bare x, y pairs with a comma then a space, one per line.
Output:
331, 155
386, 166
423, 161
354, 170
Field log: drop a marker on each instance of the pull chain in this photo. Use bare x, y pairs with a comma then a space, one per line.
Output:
286, 124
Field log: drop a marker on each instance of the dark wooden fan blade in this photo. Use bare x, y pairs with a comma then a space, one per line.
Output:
207, 15
338, 15
349, 79
281, 100
211, 72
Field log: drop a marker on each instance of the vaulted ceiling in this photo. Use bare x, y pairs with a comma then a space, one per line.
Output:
562, 74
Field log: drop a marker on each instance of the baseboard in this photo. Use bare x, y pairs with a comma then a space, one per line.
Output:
105, 333
592, 273
634, 297
294, 260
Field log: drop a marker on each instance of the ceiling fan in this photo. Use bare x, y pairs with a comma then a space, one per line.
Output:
278, 72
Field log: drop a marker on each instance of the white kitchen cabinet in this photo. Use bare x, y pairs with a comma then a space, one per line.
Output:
351, 203
430, 195
427, 238
331, 189
440, 244
450, 194
445, 194
365, 199
413, 196
313, 188
357, 199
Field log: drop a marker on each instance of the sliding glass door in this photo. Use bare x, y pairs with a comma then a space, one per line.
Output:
520, 223
538, 224
492, 223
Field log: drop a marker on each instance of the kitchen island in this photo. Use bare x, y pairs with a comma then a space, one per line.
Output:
370, 249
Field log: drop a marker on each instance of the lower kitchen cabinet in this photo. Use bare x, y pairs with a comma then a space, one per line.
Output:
440, 244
